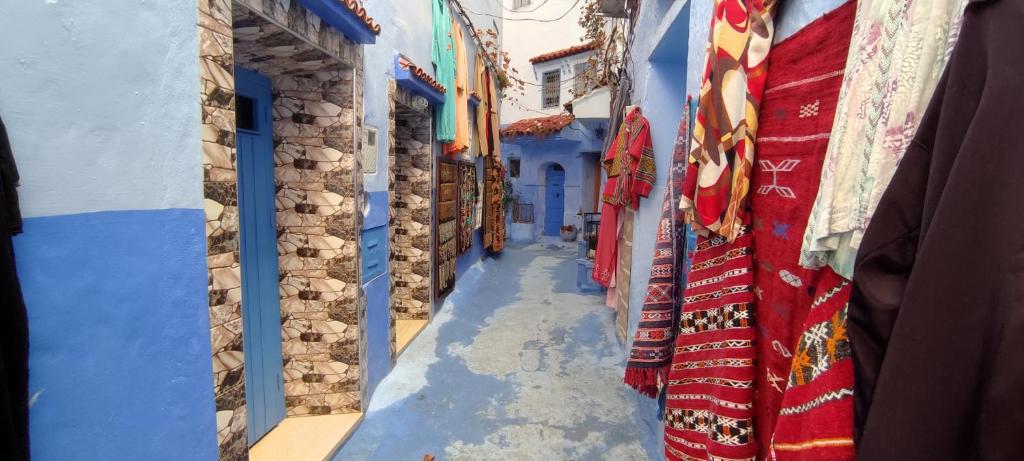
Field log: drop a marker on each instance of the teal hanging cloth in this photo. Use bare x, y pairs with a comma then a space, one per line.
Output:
444, 70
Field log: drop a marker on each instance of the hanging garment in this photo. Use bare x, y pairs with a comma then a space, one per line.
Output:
487, 111
937, 313
722, 155
796, 116
461, 142
443, 56
710, 392
651, 353
897, 53
629, 164
14, 435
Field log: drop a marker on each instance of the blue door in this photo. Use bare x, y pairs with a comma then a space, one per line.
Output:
261, 305
554, 199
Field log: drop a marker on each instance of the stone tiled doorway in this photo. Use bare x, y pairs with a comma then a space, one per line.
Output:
410, 221
316, 86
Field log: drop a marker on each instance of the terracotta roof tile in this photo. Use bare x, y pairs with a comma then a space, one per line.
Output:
356, 7
421, 74
565, 52
540, 126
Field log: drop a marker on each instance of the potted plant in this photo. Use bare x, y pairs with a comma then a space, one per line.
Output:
569, 233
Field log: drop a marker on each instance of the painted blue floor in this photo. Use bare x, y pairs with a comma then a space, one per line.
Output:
515, 366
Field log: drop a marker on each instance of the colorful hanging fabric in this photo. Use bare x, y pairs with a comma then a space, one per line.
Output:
722, 154
461, 142
898, 51
710, 392
629, 164
443, 56
494, 210
651, 353
796, 118
487, 127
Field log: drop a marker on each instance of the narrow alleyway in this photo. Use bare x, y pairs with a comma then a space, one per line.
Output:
519, 367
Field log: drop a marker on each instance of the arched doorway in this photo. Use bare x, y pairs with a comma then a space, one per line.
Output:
554, 199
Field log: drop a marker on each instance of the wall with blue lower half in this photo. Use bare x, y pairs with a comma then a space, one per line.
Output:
99, 99
407, 30
577, 149
670, 42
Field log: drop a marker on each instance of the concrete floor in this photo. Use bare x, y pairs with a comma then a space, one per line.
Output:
515, 366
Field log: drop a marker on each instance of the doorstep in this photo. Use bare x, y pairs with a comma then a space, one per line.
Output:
406, 331
306, 438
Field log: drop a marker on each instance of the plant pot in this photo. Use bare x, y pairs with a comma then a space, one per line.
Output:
569, 235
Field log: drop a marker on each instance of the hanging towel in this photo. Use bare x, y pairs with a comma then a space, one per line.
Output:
443, 56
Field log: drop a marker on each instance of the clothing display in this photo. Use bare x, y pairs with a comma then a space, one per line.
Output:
710, 392
468, 195
487, 126
651, 353
14, 414
443, 56
722, 154
796, 116
897, 53
447, 224
461, 142
629, 164
623, 272
937, 312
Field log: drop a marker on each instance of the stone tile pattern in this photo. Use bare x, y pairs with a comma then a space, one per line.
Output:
217, 91
317, 220
409, 192
301, 23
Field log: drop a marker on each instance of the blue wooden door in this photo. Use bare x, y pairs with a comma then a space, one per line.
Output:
261, 305
554, 199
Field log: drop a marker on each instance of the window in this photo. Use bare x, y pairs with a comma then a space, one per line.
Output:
513, 167
520, 3
245, 113
551, 88
583, 78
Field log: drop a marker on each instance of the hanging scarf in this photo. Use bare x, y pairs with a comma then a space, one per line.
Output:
629, 163
651, 353
721, 159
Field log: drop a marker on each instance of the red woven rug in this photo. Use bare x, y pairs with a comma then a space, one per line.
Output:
799, 105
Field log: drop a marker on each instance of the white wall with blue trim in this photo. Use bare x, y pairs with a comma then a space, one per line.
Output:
406, 29
100, 100
670, 42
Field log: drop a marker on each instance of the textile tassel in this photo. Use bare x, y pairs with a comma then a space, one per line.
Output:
644, 380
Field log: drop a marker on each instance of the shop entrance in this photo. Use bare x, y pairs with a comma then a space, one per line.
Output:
410, 196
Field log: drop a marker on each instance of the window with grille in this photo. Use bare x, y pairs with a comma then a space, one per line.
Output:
520, 3
583, 78
551, 88
513, 167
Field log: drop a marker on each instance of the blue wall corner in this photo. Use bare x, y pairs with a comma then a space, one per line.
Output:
378, 348
120, 335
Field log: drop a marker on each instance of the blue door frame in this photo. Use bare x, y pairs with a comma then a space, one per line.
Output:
554, 199
261, 304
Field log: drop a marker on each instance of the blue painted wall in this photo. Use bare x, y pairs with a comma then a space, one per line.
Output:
100, 100
407, 29
119, 325
671, 40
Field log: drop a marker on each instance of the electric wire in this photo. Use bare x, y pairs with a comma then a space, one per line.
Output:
571, 8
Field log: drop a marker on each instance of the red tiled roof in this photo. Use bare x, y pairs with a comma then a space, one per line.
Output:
421, 74
540, 126
356, 7
565, 52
